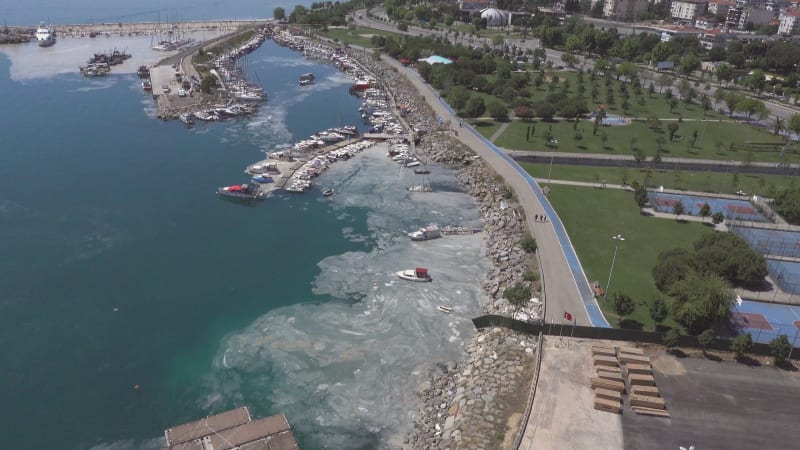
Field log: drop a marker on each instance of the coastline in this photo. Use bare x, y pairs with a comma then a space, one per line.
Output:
477, 402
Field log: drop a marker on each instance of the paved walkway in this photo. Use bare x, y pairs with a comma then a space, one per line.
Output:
500, 131
559, 261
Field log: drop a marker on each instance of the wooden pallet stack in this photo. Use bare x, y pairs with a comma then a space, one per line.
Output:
644, 396
607, 383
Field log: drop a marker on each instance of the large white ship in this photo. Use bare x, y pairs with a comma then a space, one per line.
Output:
45, 35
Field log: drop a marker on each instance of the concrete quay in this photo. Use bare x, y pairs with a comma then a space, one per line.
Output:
143, 28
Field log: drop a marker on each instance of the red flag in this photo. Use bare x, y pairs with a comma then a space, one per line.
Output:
567, 315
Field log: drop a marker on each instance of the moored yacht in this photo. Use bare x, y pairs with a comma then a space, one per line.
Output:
45, 35
244, 191
425, 233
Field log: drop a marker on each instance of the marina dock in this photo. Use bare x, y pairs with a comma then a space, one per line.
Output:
230, 430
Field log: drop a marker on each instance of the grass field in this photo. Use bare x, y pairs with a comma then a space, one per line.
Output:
361, 36
713, 142
716, 182
592, 216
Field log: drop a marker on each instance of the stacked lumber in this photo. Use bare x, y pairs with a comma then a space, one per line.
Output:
608, 361
644, 395
602, 383
613, 406
607, 382
651, 391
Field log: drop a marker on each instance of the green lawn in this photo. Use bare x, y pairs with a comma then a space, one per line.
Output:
592, 216
486, 127
714, 139
716, 182
361, 36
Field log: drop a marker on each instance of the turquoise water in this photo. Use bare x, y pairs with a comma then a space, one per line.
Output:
120, 266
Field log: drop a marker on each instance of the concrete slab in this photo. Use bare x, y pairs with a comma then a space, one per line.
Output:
563, 414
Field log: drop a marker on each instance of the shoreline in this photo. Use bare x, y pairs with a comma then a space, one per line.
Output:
479, 401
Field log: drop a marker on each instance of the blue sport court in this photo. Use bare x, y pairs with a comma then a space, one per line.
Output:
766, 321
731, 209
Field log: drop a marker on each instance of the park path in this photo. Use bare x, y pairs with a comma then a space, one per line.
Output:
561, 271
499, 131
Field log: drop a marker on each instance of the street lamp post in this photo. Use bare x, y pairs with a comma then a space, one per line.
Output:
613, 259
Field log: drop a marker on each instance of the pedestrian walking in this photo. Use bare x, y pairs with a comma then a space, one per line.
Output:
536, 218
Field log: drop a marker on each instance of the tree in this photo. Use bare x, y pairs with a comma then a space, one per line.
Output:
458, 96
569, 59
523, 112
787, 204
701, 301
689, 63
724, 72
640, 195
544, 110
672, 266
717, 218
475, 107
670, 339
673, 129
731, 100
705, 339
729, 256
623, 306
517, 295
658, 309
208, 83
779, 348
528, 243
756, 81
751, 106
741, 344
279, 13
705, 211
794, 123
497, 110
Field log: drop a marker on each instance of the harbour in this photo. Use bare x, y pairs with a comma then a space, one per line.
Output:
198, 311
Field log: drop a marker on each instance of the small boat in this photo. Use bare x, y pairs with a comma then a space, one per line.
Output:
244, 191
306, 82
186, 118
445, 309
262, 179
422, 171
413, 164
328, 192
143, 72
147, 85
419, 274
425, 233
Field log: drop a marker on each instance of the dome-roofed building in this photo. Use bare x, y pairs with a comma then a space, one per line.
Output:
494, 17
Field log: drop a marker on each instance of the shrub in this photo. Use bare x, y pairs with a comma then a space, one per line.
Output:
528, 243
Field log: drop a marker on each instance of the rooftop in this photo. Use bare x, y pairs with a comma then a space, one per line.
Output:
233, 429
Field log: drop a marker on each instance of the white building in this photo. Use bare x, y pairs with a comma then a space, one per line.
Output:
687, 9
720, 6
790, 22
494, 17
624, 9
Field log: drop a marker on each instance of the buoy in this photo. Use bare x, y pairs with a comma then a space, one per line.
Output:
136, 387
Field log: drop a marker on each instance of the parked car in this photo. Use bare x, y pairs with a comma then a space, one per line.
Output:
181, 92
165, 88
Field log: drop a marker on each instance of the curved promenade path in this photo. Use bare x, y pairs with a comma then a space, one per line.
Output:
567, 289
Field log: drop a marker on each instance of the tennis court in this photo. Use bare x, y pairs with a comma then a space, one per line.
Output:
766, 321
771, 242
730, 208
786, 275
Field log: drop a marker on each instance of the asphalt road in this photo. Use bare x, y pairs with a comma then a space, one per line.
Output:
561, 291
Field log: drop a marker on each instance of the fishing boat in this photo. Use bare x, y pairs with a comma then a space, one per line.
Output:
243, 191
186, 118
422, 171
45, 35
419, 274
425, 233
328, 192
413, 163
143, 72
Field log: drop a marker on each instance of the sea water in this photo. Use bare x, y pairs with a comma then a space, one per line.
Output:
120, 266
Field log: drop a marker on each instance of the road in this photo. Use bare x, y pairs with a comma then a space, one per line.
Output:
561, 290
360, 17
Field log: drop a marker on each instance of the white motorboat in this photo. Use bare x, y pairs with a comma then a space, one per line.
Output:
445, 309
418, 274
413, 164
45, 35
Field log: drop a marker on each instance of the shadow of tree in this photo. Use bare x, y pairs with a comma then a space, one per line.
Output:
631, 324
